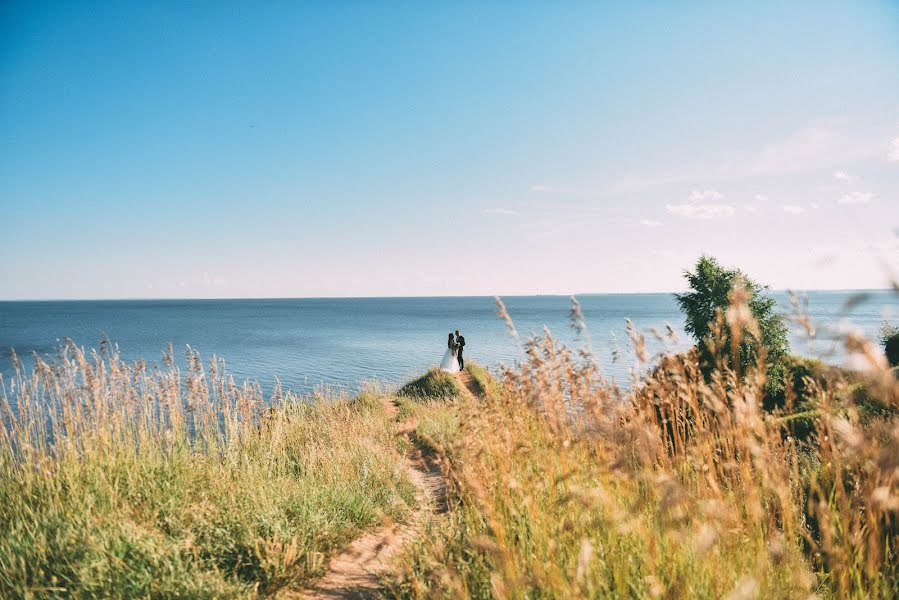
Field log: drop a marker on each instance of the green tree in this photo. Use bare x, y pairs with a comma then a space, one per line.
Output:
889, 339
710, 295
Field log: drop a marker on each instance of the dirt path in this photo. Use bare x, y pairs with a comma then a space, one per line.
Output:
470, 384
357, 571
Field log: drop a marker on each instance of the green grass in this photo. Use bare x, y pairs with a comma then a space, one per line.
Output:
485, 382
128, 503
166, 484
436, 422
433, 384
562, 485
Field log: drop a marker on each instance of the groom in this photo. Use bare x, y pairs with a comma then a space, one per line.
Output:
460, 343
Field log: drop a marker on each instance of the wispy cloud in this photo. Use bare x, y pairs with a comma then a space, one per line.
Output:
793, 209
856, 198
541, 187
498, 211
752, 207
699, 195
702, 204
844, 177
893, 152
808, 146
650, 223
825, 143
700, 211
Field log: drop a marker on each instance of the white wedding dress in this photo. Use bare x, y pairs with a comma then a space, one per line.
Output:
450, 363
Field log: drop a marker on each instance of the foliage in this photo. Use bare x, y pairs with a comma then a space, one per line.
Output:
889, 339
763, 338
150, 483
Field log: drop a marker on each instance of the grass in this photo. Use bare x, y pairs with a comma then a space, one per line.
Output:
433, 384
434, 423
565, 486
484, 382
121, 481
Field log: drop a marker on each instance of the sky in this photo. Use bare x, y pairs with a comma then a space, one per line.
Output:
317, 149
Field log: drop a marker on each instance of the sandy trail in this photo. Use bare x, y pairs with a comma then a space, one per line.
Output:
358, 570
470, 384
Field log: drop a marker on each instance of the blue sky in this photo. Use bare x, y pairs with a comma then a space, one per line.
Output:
351, 149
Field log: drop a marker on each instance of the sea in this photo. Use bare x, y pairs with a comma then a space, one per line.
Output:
341, 344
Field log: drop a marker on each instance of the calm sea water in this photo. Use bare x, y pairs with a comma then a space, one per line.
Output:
343, 342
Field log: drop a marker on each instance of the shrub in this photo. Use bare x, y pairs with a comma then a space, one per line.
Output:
889, 338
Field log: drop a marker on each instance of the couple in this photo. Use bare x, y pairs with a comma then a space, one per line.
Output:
452, 360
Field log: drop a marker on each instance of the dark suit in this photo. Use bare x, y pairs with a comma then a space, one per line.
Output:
460, 341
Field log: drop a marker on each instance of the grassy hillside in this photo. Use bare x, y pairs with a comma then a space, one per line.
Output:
163, 484
119, 480
433, 384
564, 486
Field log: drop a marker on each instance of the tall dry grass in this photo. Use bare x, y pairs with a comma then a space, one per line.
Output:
124, 480
563, 485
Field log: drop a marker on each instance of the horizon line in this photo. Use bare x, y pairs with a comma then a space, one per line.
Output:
375, 297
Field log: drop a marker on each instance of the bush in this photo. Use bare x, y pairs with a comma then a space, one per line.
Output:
889, 338
803, 378
705, 306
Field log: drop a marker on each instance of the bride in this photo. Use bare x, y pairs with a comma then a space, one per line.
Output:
450, 363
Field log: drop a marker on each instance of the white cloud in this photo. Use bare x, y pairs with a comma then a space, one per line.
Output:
844, 177
650, 223
694, 208
760, 198
893, 152
750, 208
700, 211
699, 195
814, 205
541, 187
856, 198
498, 211
793, 209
